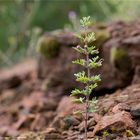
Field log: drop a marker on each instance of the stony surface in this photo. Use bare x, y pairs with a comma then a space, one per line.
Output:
136, 78
119, 35
34, 101
118, 122
135, 110
12, 78
135, 138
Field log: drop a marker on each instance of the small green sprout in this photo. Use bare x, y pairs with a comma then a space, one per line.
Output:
129, 133
85, 77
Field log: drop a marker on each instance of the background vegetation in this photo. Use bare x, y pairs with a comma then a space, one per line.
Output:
22, 21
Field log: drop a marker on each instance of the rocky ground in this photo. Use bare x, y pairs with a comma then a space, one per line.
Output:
34, 95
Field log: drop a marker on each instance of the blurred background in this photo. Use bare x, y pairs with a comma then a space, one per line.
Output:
23, 21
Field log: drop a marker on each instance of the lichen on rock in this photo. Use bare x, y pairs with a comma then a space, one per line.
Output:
48, 46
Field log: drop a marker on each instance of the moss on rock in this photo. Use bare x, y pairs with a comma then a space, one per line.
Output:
48, 46
117, 53
120, 59
101, 37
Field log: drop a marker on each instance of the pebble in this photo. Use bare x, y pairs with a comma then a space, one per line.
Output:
135, 111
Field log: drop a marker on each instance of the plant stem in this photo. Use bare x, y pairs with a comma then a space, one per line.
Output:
86, 117
87, 99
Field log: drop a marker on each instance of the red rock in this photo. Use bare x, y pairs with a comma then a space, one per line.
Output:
90, 135
135, 138
135, 111
63, 119
90, 124
51, 130
136, 78
132, 40
129, 96
37, 101
96, 117
66, 106
120, 107
23, 120
39, 122
120, 121
53, 136
13, 77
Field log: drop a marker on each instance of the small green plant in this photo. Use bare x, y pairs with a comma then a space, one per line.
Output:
105, 133
85, 77
129, 133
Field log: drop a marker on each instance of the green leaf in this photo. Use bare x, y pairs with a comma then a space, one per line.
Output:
77, 112
81, 77
79, 49
93, 101
91, 49
85, 21
81, 22
93, 86
79, 36
78, 101
90, 37
95, 58
95, 63
89, 88
76, 92
78, 61
92, 105
95, 78
94, 52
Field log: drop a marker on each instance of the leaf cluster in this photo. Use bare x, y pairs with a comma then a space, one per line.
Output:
92, 105
81, 77
85, 21
93, 62
91, 82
